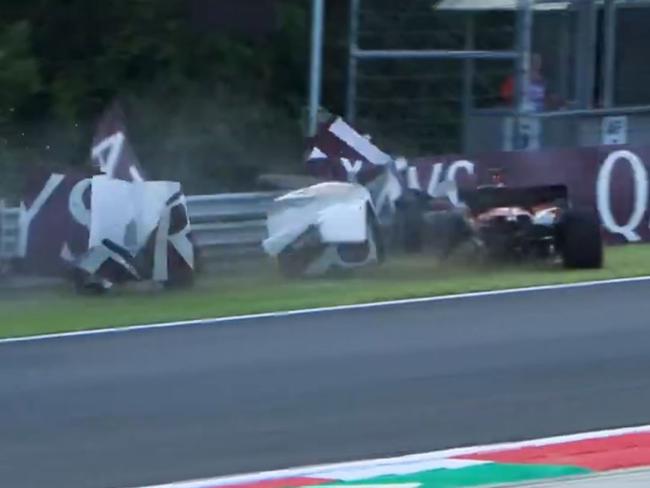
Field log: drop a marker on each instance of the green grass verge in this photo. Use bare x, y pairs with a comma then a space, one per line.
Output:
59, 309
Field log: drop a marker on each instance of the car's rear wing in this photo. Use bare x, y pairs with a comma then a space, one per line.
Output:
482, 199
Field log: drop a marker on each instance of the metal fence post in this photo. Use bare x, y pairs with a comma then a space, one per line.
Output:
2, 230
522, 79
610, 54
316, 65
585, 53
468, 80
353, 46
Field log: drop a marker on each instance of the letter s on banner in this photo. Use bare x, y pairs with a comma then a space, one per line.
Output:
76, 205
79, 212
603, 196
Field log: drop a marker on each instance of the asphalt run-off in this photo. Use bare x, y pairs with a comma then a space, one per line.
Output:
158, 405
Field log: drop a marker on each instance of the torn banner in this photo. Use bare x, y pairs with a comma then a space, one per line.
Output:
337, 224
107, 228
148, 239
321, 228
338, 152
409, 213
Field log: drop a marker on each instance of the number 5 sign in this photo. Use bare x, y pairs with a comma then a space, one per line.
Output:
526, 137
614, 130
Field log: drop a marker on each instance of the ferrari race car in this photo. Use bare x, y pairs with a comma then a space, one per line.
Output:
534, 222
323, 227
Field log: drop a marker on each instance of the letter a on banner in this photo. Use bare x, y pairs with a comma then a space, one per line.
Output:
111, 152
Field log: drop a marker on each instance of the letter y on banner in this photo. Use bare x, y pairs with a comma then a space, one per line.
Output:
28, 214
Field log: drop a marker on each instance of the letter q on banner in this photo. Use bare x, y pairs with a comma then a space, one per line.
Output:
603, 196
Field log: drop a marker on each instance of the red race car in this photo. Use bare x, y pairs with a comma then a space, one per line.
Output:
533, 222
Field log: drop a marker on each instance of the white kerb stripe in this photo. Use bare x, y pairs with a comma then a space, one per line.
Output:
337, 308
391, 485
397, 469
319, 471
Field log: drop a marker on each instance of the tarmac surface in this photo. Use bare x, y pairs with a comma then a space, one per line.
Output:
121, 410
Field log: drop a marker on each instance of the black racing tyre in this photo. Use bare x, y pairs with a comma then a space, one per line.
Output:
581, 241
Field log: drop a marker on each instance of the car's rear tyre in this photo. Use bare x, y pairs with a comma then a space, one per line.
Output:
581, 240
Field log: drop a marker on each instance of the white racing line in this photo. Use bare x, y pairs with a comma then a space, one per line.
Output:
442, 457
310, 311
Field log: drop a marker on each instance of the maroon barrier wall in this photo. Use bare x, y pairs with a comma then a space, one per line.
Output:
56, 226
56, 221
612, 180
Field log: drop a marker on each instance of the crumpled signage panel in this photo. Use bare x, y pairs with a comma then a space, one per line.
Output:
151, 223
108, 227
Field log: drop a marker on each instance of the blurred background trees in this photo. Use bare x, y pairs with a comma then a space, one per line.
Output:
215, 90
211, 92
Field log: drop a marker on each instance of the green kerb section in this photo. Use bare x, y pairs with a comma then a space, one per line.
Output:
483, 474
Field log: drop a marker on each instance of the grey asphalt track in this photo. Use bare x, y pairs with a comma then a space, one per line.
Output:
157, 406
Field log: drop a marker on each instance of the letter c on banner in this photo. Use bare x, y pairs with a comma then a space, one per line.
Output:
603, 196
468, 166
